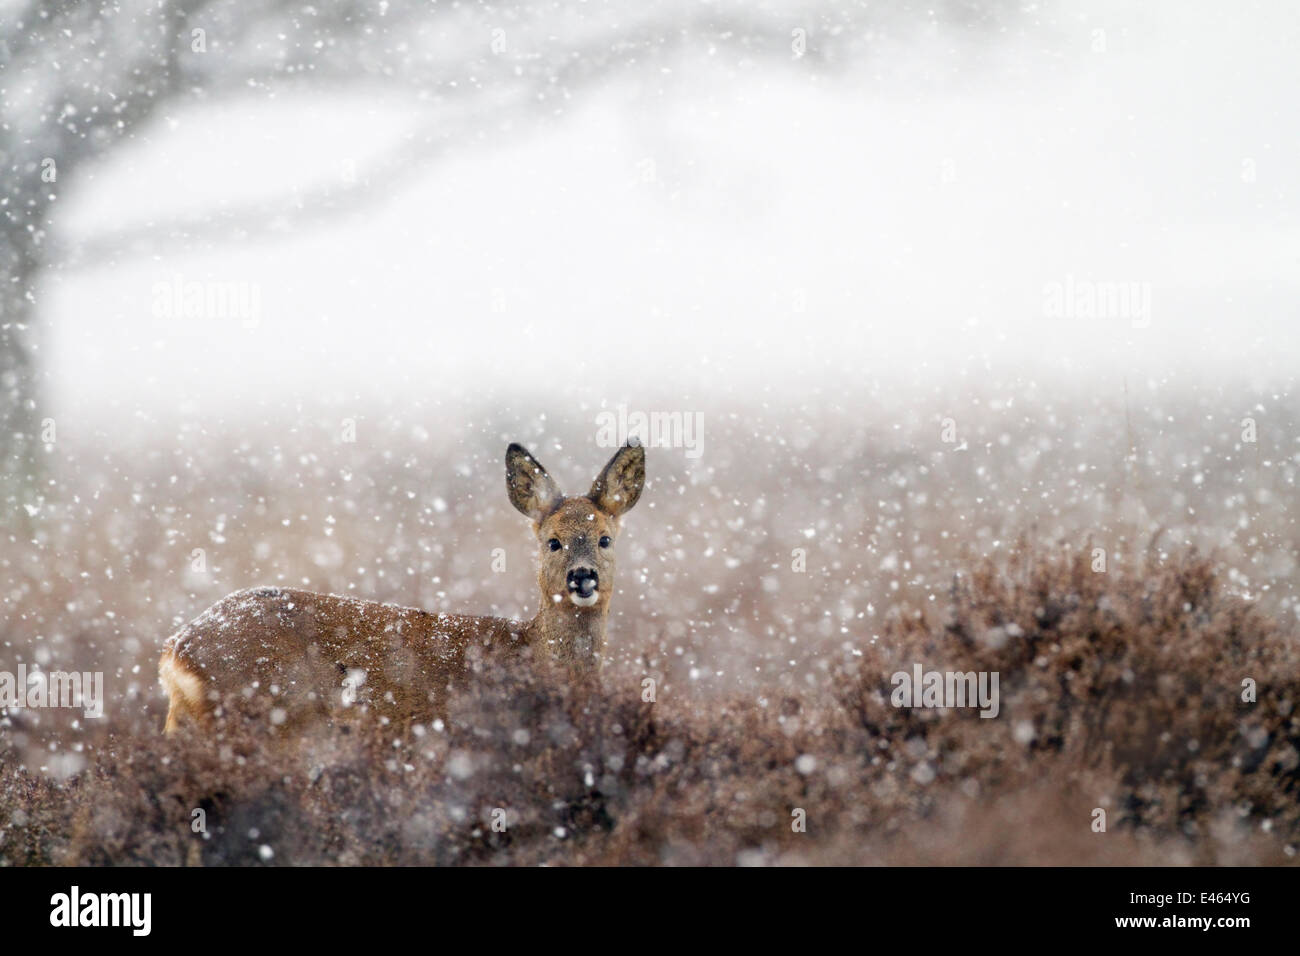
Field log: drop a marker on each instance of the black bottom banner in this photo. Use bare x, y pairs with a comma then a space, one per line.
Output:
216, 906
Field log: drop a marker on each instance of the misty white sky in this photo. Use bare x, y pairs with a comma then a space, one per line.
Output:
731, 227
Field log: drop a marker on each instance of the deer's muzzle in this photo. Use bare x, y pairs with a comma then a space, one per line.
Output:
583, 586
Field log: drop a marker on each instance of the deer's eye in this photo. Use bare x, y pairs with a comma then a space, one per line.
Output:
554, 544
604, 541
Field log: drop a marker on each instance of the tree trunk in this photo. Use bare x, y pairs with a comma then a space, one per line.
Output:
20, 437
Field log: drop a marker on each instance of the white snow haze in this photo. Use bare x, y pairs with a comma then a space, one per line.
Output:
908, 216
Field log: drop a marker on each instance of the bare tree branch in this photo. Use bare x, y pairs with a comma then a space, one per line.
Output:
80, 77
586, 66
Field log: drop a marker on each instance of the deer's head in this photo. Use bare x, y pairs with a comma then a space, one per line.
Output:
576, 536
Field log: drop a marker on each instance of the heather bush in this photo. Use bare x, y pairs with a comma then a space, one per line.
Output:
1139, 674
1121, 691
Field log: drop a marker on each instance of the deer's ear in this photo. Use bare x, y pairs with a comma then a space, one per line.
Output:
530, 488
618, 487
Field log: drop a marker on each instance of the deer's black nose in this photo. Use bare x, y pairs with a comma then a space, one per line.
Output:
583, 581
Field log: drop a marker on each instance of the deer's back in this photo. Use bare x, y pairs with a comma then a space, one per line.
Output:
300, 651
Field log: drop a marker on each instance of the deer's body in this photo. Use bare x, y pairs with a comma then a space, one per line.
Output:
320, 654
306, 656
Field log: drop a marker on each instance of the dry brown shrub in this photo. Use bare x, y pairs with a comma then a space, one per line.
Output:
1118, 690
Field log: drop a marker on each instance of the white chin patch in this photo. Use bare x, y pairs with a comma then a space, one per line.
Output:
587, 601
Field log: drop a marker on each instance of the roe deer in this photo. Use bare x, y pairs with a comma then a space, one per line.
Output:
307, 656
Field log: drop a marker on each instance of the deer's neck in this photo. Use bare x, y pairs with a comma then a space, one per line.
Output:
573, 636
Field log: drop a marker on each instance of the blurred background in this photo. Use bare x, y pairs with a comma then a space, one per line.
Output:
281, 281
